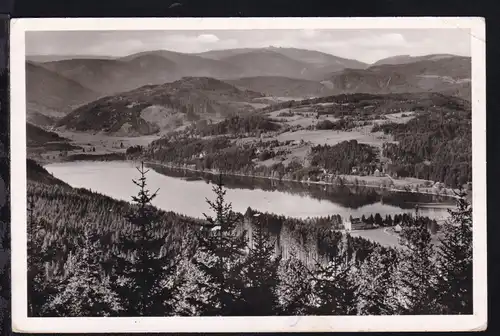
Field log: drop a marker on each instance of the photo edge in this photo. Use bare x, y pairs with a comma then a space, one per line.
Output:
20, 323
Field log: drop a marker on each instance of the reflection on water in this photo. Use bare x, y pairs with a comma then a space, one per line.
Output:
186, 192
351, 198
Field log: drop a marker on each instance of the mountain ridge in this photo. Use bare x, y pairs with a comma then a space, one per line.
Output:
153, 108
403, 59
50, 95
450, 75
109, 75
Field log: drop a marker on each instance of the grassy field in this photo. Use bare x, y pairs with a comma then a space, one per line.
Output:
302, 139
103, 144
329, 137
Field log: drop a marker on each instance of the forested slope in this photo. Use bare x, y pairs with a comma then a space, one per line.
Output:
135, 260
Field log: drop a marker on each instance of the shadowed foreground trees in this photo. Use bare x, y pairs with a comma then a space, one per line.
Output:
136, 260
417, 274
261, 272
85, 289
144, 268
454, 286
220, 259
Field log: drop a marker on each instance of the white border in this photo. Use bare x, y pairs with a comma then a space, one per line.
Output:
21, 323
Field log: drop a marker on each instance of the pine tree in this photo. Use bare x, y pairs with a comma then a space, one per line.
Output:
455, 261
377, 286
220, 259
145, 272
417, 276
294, 288
335, 292
85, 291
38, 254
388, 220
261, 273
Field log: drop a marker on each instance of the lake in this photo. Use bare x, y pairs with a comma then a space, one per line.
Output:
186, 192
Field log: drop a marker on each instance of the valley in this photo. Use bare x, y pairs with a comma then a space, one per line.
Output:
233, 177
293, 129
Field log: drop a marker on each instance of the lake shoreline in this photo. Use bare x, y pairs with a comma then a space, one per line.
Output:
106, 180
215, 172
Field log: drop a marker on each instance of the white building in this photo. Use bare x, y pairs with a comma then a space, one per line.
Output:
356, 224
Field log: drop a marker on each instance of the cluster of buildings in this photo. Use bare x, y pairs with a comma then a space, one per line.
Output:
352, 224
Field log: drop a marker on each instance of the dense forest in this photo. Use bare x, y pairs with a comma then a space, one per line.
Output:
432, 146
434, 143
90, 255
343, 157
366, 104
222, 154
342, 124
251, 124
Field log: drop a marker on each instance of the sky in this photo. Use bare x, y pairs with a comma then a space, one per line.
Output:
367, 45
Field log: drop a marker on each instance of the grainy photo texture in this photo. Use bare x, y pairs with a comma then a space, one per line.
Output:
249, 172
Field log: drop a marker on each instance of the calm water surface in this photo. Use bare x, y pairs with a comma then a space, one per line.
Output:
186, 193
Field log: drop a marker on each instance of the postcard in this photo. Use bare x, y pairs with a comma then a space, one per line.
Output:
248, 175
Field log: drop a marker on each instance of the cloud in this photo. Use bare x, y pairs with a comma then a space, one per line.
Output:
393, 38
309, 33
207, 38
366, 45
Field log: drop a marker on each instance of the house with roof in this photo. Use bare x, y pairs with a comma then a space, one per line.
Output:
352, 224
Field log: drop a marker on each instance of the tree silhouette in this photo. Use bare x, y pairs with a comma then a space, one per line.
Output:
377, 288
145, 271
417, 273
38, 254
261, 272
455, 260
220, 259
335, 292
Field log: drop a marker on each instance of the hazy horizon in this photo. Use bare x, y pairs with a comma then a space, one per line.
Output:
366, 46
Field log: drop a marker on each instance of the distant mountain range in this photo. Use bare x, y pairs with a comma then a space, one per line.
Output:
112, 75
450, 75
282, 86
51, 90
219, 82
403, 59
51, 96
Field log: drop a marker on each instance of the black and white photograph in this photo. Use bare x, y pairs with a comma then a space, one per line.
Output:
248, 175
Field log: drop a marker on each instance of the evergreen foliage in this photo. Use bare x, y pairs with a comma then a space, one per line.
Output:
143, 282
344, 156
377, 287
335, 291
417, 273
221, 255
37, 254
454, 286
84, 290
261, 272
135, 260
